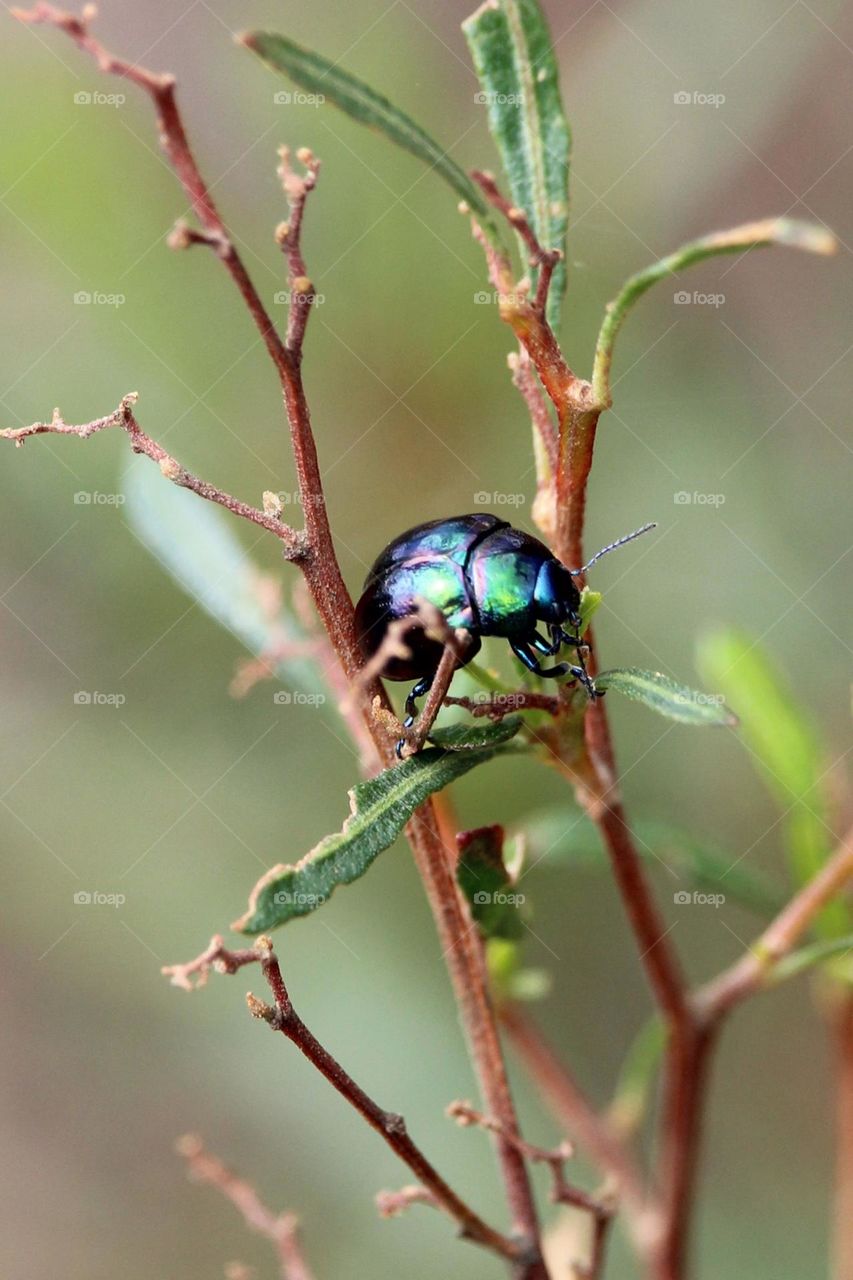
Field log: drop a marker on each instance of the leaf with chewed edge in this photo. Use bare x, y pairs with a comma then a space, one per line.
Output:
380, 809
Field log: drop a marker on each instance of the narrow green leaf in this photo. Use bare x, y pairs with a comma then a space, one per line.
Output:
751, 235
194, 543
634, 1086
667, 697
567, 837
380, 808
318, 75
484, 880
785, 747
520, 83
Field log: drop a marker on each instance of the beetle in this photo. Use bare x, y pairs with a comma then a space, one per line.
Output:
488, 579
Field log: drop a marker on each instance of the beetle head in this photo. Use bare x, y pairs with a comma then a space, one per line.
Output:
555, 597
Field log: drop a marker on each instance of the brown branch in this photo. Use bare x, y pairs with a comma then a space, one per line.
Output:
710, 1004
334, 606
292, 542
391, 1127
601, 1207
279, 1228
433, 835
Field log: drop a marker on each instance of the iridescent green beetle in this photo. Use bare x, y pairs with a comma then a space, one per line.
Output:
486, 578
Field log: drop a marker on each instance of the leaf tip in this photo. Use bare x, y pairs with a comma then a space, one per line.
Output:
808, 236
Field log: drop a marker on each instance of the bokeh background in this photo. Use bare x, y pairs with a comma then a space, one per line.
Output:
179, 797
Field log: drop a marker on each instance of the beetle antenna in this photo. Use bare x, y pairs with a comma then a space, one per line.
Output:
620, 542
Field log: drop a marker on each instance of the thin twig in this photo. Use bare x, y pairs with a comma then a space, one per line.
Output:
498, 705
280, 1228
576, 1113
601, 1207
392, 1127
292, 542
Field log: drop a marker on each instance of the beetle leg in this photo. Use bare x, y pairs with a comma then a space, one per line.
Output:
574, 641
522, 651
423, 686
548, 647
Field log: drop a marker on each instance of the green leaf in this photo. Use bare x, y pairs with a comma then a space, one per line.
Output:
634, 1086
194, 543
320, 76
751, 235
519, 78
380, 808
486, 883
468, 736
560, 837
785, 747
667, 697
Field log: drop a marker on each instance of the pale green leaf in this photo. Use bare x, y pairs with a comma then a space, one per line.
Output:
637, 1077
320, 76
519, 80
195, 544
566, 837
785, 747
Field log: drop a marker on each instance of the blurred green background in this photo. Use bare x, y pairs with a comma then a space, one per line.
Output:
178, 798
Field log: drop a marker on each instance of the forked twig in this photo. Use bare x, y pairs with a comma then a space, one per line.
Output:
281, 1229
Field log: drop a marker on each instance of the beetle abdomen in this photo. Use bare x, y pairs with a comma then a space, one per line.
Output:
395, 595
453, 538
